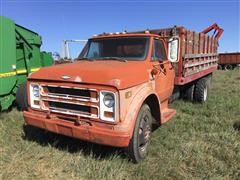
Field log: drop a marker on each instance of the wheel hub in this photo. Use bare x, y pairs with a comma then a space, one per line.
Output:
144, 134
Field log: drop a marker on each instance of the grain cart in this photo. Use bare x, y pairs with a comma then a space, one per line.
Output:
20, 55
121, 85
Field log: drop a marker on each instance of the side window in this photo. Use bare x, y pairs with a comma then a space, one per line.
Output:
158, 51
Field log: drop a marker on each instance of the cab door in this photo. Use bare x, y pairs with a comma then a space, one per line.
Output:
164, 72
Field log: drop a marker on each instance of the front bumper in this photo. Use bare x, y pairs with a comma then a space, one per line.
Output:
91, 133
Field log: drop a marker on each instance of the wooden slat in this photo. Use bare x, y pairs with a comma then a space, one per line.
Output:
199, 43
188, 56
191, 72
188, 42
196, 43
187, 65
191, 42
206, 44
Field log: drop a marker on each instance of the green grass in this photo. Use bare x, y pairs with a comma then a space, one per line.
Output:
201, 141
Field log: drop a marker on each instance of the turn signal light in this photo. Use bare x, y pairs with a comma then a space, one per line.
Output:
108, 114
35, 102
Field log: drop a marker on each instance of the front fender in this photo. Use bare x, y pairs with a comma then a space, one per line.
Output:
129, 107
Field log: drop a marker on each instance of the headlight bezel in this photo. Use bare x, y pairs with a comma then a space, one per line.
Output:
36, 90
33, 97
109, 109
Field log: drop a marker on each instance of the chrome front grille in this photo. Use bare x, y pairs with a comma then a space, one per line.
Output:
82, 102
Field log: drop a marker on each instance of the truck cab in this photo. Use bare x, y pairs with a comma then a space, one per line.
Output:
112, 94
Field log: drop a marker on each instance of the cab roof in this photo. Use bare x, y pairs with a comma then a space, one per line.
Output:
117, 35
165, 32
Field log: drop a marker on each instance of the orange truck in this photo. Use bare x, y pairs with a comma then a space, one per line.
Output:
121, 84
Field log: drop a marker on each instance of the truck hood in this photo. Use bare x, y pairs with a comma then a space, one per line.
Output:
114, 73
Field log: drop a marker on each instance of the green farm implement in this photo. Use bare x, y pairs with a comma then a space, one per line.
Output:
20, 55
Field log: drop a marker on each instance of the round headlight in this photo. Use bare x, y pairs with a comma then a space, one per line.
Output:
108, 100
36, 90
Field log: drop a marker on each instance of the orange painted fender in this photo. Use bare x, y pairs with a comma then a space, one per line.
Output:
130, 107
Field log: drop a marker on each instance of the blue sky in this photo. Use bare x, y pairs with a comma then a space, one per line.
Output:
58, 20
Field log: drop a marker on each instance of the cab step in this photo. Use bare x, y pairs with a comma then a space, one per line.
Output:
167, 114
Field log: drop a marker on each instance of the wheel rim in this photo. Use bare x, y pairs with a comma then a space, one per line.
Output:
205, 94
228, 67
144, 134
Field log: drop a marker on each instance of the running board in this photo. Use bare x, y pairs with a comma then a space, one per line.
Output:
167, 114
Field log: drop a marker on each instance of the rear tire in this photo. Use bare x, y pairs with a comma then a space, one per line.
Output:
188, 92
21, 97
138, 146
228, 67
202, 90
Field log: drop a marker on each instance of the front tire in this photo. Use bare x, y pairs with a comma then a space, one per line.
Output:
138, 146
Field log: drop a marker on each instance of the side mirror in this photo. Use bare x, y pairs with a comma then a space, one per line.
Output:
56, 56
173, 49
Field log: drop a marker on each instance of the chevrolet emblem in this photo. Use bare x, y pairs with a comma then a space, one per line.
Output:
65, 77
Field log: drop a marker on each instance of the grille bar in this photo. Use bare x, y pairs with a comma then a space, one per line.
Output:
67, 91
70, 112
70, 92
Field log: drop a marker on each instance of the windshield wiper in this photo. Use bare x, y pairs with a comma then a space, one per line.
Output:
83, 58
115, 58
106, 58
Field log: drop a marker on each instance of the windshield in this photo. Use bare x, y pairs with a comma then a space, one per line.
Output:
127, 48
